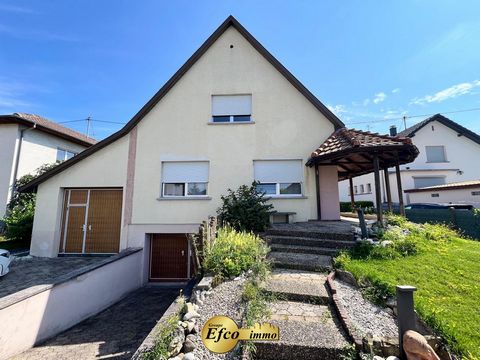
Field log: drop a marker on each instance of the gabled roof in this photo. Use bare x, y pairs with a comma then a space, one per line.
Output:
410, 132
229, 22
352, 151
450, 186
48, 126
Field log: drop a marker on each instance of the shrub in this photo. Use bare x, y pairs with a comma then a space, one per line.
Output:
234, 252
245, 209
165, 335
367, 206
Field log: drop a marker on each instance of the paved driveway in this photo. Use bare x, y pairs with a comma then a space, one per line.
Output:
113, 334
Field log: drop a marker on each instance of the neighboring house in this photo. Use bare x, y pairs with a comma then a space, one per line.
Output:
466, 192
29, 141
448, 153
230, 115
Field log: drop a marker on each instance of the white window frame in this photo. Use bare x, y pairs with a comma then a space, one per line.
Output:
65, 158
277, 190
232, 117
445, 160
185, 190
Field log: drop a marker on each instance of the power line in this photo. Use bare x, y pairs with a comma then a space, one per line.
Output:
90, 119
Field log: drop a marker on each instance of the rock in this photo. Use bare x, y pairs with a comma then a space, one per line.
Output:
393, 358
376, 357
191, 337
189, 307
416, 347
183, 324
196, 307
188, 346
386, 243
191, 326
189, 356
191, 315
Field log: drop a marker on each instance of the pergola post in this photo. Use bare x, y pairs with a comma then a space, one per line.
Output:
352, 193
378, 195
399, 187
317, 188
387, 188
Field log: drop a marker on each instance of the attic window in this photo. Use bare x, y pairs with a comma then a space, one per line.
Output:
231, 108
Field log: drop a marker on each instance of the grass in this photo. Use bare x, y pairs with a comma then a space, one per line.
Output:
165, 334
444, 267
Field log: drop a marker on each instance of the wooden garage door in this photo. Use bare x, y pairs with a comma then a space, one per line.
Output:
91, 221
169, 257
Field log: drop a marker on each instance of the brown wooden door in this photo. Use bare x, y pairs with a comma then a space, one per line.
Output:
104, 221
168, 257
91, 221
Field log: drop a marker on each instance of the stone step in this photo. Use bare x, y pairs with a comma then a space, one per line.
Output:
346, 236
307, 262
306, 241
307, 331
304, 249
297, 285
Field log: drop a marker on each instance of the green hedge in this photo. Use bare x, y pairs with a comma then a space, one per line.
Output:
346, 206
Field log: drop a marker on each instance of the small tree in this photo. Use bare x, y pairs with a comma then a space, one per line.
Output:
245, 209
21, 208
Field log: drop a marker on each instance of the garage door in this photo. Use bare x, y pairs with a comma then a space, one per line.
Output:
169, 257
91, 221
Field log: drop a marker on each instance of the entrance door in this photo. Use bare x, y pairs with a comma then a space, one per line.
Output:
169, 257
91, 221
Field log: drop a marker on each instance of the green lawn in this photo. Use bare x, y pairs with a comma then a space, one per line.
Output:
447, 276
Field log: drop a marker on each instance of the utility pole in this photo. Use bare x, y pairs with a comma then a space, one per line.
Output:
405, 121
89, 119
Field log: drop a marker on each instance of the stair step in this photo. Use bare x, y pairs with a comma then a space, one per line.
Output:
306, 241
298, 285
347, 236
307, 331
304, 249
308, 262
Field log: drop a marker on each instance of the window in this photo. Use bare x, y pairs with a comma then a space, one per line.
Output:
184, 178
231, 108
355, 189
63, 154
362, 188
435, 154
369, 188
281, 178
421, 182
475, 193
436, 195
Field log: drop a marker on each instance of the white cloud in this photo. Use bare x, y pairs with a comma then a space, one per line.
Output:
396, 90
337, 109
366, 102
15, 9
379, 97
448, 93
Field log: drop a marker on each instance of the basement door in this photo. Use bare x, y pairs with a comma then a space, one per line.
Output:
169, 257
91, 221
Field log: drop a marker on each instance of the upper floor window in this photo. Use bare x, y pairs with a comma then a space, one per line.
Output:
184, 178
435, 154
231, 108
63, 154
281, 178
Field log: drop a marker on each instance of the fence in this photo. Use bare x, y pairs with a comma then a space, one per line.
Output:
205, 238
463, 220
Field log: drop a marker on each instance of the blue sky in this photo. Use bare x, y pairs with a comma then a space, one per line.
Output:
372, 62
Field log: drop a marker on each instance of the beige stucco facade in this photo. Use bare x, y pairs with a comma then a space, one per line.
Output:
285, 126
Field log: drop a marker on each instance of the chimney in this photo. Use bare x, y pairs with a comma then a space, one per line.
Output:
393, 130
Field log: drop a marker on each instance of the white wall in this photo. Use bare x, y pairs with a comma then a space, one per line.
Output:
461, 155
8, 145
458, 196
47, 313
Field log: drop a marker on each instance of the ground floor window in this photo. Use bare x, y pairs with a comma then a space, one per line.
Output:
280, 188
185, 189
282, 178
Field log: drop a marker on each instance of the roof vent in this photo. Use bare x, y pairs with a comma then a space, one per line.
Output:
393, 130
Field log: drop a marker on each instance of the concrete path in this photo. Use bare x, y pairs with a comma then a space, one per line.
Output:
113, 334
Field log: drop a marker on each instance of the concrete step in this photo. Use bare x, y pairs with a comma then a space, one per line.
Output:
304, 249
307, 331
306, 241
346, 236
307, 262
297, 285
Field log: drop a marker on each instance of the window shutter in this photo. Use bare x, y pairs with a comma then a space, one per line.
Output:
281, 171
435, 153
421, 182
185, 171
231, 105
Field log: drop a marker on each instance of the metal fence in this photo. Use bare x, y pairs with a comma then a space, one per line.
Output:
463, 220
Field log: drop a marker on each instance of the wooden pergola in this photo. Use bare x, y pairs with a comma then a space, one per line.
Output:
356, 153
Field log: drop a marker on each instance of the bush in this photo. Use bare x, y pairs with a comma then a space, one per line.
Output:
367, 206
234, 252
245, 209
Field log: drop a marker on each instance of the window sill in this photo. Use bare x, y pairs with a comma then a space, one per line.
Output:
437, 162
231, 123
279, 197
175, 198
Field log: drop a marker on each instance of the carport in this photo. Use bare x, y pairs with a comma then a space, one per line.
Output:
357, 152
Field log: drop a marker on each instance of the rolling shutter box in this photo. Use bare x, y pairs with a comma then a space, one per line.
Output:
184, 171
278, 171
231, 105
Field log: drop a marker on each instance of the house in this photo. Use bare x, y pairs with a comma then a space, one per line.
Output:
465, 192
447, 152
230, 115
29, 141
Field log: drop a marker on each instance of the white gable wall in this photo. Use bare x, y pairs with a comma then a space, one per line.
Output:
8, 146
